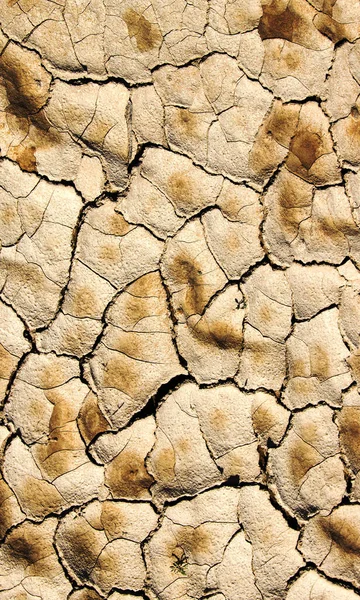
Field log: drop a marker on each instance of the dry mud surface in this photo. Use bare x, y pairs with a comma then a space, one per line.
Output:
180, 299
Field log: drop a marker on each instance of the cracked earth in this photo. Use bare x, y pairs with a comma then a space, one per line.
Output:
180, 299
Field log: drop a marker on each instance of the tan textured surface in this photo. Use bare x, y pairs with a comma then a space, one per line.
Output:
180, 299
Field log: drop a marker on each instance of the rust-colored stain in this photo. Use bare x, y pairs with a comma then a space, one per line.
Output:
127, 476
27, 90
147, 35
189, 274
